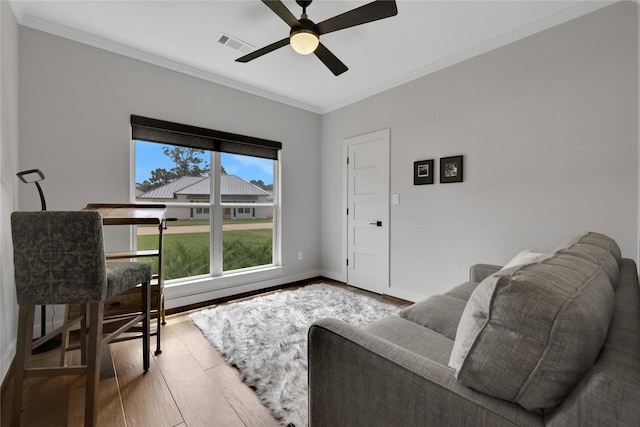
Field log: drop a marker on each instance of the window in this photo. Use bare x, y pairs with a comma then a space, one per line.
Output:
221, 189
246, 211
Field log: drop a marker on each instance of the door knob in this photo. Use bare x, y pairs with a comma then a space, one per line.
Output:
377, 223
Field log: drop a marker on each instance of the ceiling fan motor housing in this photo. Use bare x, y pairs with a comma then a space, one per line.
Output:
306, 26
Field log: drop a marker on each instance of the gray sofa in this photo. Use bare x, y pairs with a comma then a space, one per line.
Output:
550, 341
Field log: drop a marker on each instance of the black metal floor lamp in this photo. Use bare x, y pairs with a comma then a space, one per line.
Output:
34, 176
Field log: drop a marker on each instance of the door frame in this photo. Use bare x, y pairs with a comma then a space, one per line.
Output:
346, 143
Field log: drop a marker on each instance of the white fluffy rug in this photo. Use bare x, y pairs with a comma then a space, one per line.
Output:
266, 338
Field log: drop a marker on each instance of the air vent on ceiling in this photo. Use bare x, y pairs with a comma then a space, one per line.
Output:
234, 43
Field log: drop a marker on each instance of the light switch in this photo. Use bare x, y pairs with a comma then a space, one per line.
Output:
395, 199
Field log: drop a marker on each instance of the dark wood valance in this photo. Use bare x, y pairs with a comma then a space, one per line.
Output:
153, 130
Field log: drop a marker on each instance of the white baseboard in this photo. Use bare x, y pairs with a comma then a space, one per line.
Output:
334, 275
391, 291
50, 324
178, 298
404, 294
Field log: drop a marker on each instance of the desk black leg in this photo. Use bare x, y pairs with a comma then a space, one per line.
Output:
158, 349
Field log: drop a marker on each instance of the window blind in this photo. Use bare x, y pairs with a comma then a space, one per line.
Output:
153, 130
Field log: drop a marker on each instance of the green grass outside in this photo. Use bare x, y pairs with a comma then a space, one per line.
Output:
187, 254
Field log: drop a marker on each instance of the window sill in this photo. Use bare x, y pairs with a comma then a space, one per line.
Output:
194, 290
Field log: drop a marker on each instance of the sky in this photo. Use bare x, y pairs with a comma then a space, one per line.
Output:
149, 156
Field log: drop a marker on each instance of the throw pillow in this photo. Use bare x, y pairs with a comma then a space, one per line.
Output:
525, 257
528, 334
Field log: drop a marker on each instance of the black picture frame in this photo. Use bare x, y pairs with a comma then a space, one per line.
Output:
423, 172
451, 169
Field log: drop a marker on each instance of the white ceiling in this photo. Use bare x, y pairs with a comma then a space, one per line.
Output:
424, 37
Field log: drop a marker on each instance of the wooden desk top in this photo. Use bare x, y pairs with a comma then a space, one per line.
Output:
127, 214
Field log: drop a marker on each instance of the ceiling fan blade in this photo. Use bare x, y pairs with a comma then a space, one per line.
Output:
330, 60
370, 12
281, 10
258, 53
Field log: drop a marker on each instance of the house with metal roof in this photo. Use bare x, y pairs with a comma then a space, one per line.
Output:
192, 189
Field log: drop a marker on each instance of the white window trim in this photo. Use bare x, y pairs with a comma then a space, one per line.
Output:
218, 280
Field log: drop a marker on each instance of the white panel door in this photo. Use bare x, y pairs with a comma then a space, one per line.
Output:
368, 211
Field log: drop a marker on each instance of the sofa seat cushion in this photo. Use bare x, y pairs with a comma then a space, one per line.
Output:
440, 313
529, 334
413, 337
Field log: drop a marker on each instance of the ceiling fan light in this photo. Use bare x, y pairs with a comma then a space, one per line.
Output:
304, 41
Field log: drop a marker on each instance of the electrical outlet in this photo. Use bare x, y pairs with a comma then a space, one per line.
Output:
300, 256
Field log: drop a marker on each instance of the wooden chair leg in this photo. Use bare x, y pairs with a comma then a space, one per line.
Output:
64, 343
23, 353
64, 338
146, 324
94, 350
83, 334
160, 323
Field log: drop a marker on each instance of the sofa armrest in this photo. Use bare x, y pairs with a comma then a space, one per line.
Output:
358, 379
479, 272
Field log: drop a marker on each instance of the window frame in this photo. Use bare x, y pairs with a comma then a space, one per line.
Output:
217, 278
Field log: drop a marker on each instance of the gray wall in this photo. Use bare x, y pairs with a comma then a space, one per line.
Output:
548, 127
8, 181
75, 104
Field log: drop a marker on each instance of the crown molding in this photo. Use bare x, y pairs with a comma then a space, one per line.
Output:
140, 55
580, 9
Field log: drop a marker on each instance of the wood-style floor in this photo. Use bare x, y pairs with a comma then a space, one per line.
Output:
188, 384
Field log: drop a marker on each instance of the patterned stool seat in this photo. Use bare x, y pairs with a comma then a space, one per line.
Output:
120, 276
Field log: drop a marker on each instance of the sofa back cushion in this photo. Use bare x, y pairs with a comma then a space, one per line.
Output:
595, 239
530, 333
598, 256
609, 394
597, 248
440, 313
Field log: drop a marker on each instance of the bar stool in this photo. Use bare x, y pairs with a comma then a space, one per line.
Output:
59, 258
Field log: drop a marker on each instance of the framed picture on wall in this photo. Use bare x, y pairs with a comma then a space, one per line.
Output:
451, 169
423, 172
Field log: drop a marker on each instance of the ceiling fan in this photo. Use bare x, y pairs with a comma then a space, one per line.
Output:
305, 34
